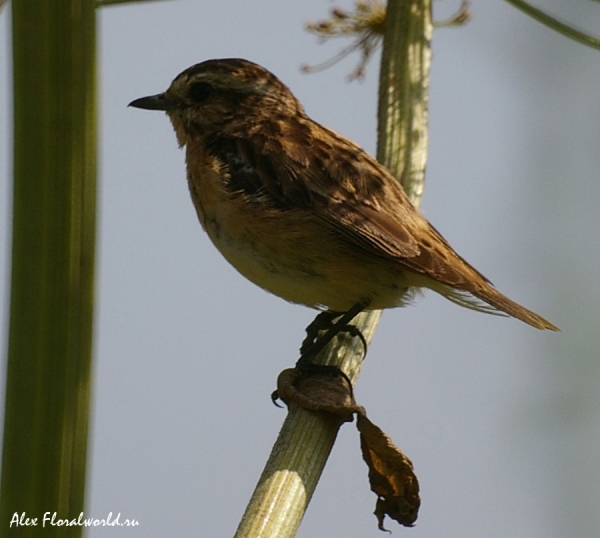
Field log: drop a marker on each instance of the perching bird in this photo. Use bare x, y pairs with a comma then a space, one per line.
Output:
301, 211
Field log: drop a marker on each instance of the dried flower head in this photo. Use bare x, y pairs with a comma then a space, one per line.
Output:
365, 24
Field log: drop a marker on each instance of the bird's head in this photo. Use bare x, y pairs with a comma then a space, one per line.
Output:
220, 96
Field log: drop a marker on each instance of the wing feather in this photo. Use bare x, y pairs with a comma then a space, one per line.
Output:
300, 164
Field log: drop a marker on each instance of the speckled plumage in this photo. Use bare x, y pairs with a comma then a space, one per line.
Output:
301, 211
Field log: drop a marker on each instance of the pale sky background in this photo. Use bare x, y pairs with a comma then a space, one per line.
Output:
501, 421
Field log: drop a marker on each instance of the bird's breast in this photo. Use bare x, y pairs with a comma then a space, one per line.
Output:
288, 252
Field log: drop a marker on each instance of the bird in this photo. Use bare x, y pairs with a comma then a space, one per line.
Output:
302, 211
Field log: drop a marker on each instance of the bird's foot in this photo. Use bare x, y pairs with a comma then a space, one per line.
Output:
326, 326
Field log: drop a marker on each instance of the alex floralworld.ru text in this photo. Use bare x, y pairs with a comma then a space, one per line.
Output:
51, 519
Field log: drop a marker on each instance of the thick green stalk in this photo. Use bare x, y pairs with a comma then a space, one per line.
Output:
51, 301
404, 94
305, 440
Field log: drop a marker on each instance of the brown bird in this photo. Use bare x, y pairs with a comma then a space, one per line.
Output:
301, 211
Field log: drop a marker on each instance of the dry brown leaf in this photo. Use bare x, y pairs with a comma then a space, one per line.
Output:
326, 393
391, 475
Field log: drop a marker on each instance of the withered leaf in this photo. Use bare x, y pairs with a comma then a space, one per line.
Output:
321, 393
391, 475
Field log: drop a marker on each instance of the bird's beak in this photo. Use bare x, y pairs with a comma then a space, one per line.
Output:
153, 102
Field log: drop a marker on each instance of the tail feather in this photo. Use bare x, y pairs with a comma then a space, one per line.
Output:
486, 299
503, 303
444, 271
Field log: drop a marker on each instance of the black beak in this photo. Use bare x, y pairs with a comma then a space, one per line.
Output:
153, 102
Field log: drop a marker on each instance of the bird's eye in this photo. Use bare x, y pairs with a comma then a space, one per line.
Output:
201, 91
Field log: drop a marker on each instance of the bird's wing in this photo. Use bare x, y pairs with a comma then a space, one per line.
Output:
316, 169
302, 165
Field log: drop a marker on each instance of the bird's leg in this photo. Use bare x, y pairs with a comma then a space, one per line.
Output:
313, 344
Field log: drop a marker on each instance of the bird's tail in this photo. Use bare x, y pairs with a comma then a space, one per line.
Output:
501, 302
486, 299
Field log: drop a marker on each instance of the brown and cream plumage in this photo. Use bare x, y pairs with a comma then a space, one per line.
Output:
301, 211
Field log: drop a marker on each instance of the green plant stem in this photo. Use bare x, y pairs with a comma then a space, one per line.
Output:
52, 274
555, 24
404, 94
102, 3
305, 440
